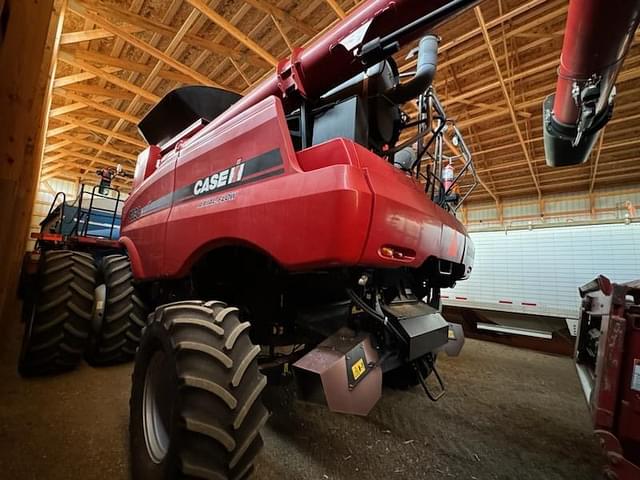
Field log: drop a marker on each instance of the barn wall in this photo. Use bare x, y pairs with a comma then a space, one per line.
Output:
28, 36
567, 208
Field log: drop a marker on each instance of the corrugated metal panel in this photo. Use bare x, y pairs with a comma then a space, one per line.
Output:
565, 204
545, 266
488, 213
611, 201
520, 209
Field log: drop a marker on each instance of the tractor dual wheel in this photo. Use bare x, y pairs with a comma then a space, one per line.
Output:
117, 336
196, 408
58, 315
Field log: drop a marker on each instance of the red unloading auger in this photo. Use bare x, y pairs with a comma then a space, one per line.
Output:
597, 37
370, 33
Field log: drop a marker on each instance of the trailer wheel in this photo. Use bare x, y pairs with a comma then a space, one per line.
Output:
196, 408
58, 315
118, 335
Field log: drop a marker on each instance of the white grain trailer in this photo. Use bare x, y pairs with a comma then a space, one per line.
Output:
526, 281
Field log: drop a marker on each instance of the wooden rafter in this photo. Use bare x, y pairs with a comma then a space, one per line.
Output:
138, 23
86, 13
595, 162
505, 92
335, 6
232, 30
283, 16
87, 102
96, 146
87, 67
104, 131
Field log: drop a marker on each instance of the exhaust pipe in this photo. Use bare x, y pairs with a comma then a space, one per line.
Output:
425, 72
597, 37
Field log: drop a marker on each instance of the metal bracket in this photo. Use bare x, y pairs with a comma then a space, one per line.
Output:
290, 75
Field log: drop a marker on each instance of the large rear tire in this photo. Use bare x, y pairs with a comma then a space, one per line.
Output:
124, 317
196, 408
58, 316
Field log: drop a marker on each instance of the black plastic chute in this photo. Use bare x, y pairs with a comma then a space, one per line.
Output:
182, 107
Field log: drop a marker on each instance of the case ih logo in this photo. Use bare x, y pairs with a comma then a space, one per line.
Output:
218, 180
256, 169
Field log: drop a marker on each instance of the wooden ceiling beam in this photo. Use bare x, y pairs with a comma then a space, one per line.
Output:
596, 160
80, 99
104, 131
56, 146
525, 150
283, 16
232, 30
116, 64
98, 91
84, 11
469, 52
140, 23
282, 34
79, 77
53, 158
496, 108
491, 87
335, 6
91, 158
170, 50
97, 146
52, 132
511, 14
94, 34
70, 59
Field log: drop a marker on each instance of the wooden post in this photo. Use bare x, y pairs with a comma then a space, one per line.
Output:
27, 53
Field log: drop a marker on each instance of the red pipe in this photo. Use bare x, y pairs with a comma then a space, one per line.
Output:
597, 37
326, 63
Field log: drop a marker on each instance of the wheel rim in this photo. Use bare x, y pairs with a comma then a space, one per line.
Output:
157, 407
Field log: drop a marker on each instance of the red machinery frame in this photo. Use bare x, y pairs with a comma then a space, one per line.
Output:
346, 205
612, 385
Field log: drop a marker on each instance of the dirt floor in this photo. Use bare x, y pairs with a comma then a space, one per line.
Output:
508, 414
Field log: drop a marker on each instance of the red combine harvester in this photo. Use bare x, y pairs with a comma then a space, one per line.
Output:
292, 227
308, 234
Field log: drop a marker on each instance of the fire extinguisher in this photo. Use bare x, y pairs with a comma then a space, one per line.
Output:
447, 176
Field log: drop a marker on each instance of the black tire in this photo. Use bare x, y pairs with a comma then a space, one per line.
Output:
196, 403
58, 315
124, 317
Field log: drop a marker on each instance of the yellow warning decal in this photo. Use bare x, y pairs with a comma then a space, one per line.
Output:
452, 336
358, 369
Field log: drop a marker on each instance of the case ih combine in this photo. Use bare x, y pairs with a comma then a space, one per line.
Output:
287, 227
